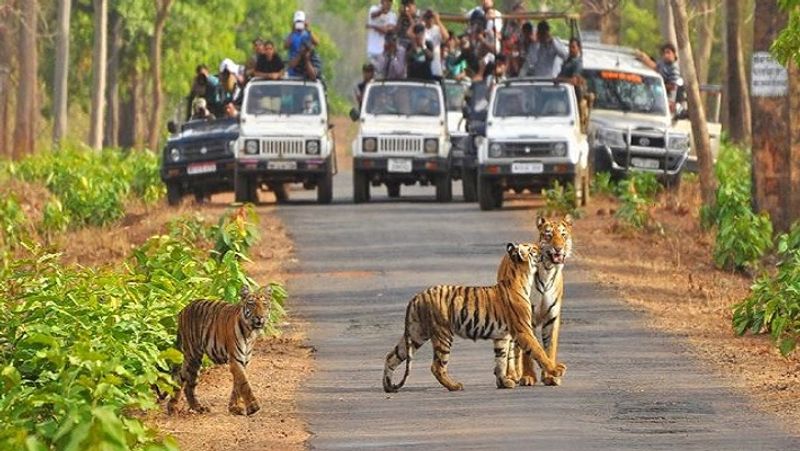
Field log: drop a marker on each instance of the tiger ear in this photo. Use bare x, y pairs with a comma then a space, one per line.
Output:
568, 219
244, 292
267, 291
540, 221
510, 248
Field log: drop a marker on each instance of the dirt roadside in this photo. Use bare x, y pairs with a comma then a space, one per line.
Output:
671, 277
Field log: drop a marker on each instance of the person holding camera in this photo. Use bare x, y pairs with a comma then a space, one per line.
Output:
545, 56
381, 20
200, 110
409, 16
419, 56
300, 44
392, 63
205, 86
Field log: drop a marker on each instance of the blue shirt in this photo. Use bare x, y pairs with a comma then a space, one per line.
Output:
297, 39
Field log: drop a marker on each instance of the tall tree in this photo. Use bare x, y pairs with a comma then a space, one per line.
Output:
27, 57
706, 17
162, 13
111, 135
776, 120
666, 22
6, 57
602, 16
99, 57
61, 78
738, 100
697, 114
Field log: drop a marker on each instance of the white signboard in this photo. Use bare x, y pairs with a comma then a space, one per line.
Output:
770, 78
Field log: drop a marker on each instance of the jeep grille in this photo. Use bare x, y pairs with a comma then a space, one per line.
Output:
530, 149
283, 147
404, 145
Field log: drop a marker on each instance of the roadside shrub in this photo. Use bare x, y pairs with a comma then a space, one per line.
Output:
14, 223
81, 348
236, 232
637, 195
603, 184
774, 301
560, 200
743, 237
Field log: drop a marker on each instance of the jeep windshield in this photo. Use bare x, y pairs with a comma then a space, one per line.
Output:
200, 127
532, 101
455, 93
404, 100
283, 99
628, 92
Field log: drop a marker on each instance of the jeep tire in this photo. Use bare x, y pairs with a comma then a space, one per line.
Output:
444, 188
393, 190
360, 187
469, 184
490, 196
174, 194
325, 188
242, 188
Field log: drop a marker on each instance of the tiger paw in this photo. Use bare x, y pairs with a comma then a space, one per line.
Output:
559, 370
458, 386
235, 410
551, 381
253, 408
527, 381
199, 408
505, 383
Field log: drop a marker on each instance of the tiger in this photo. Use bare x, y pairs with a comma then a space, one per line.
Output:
226, 334
555, 241
500, 312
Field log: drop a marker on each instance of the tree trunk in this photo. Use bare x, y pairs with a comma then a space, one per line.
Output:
705, 37
24, 131
738, 100
111, 138
666, 22
61, 78
6, 56
697, 114
99, 53
776, 124
602, 16
162, 12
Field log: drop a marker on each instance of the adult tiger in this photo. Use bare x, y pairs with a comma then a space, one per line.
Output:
500, 312
555, 241
226, 333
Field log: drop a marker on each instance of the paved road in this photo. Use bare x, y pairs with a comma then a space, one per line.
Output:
627, 387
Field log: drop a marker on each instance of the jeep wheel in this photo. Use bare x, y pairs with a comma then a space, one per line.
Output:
601, 161
360, 187
281, 195
393, 189
469, 184
242, 188
325, 188
488, 194
174, 194
444, 188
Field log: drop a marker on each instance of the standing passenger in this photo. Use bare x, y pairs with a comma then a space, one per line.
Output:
546, 55
381, 20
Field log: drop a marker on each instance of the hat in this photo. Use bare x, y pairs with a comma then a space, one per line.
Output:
199, 102
228, 64
428, 14
299, 16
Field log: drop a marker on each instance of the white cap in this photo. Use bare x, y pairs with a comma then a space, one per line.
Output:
228, 63
299, 16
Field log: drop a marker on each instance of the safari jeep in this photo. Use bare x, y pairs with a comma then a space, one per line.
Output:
402, 139
285, 137
533, 138
631, 128
198, 158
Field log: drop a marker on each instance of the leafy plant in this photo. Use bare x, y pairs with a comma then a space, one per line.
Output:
774, 301
14, 223
637, 197
560, 200
603, 184
236, 231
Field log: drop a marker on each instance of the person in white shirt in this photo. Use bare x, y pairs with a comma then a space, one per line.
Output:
381, 20
436, 33
494, 21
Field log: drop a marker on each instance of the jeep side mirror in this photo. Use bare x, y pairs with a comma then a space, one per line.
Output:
354, 114
172, 127
331, 126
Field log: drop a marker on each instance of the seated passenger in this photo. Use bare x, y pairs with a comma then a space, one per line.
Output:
383, 104
511, 107
309, 105
231, 111
205, 86
200, 110
554, 106
269, 64
367, 75
392, 64
546, 55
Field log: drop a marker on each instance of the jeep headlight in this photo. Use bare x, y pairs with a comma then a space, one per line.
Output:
232, 146
495, 150
679, 142
431, 145
369, 145
174, 154
312, 147
251, 147
560, 150
610, 138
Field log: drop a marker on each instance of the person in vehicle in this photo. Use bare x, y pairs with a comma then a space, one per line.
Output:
492, 22
435, 33
425, 105
200, 110
231, 78
300, 44
419, 56
573, 66
392, 63
309, 105
367, 75
554, 106
205, 86
231, 111
269, 64
455, 66
380, 21
250, 66
546, 55
668, 67
383, 103
512, 106
408, 17
512, 41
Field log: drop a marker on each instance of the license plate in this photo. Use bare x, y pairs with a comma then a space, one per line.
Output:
396, 165
527, 168
645, 163
201, 168
282, 165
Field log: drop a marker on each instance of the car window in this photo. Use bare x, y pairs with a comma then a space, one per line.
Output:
532, 100
406, 100
623, 91
283, 99
455, 93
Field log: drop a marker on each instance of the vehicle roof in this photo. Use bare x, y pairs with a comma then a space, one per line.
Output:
406, 81
613, 57
286, 81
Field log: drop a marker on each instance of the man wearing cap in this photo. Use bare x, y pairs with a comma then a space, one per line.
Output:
392, 63
546, 55
367, 75
381, 20
301, 38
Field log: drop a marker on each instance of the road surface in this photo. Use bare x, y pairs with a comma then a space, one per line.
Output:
627, 387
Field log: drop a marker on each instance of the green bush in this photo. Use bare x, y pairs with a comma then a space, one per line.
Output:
82, 348
774, 301
637, 195
603, 184
14, 224
743, 237
560, 200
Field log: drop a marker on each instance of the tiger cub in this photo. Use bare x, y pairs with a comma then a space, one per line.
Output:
226, 334
555, 240
500, 312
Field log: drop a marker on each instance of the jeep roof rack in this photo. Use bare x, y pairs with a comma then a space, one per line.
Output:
525, 80
573, 19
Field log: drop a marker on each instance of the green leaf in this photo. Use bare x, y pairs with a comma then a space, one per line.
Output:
171, 355
787, 345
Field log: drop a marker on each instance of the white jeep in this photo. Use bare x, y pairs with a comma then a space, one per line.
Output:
533, 138
284, 137
402, 139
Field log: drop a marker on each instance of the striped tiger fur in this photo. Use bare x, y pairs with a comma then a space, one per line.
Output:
226, 334
555, 241
500, 312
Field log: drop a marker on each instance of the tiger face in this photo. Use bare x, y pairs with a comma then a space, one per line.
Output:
555, 238
523, 253
255, 306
